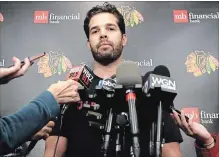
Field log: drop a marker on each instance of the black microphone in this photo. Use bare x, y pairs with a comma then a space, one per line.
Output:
108, 128
30, 147
84, 75
108, 85
160, 78
122, 122
128, 74
161, 88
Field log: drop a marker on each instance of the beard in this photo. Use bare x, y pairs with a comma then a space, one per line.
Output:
107, 56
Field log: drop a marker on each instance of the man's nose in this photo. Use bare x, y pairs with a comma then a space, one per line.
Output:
103, 37
103, 34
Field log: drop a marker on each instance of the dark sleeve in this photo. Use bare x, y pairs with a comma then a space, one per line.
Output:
171, 131
17, 128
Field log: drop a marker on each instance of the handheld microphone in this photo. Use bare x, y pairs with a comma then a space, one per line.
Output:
30, 147
82, 74
129, 80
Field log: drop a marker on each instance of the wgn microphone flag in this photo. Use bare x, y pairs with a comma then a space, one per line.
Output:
159, 85
160, 77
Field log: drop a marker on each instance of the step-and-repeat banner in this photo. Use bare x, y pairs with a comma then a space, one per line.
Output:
184, 36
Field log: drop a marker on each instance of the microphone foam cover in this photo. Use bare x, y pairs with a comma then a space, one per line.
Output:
128, 74
161, 70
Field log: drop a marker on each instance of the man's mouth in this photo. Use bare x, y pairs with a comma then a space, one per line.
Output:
104, 44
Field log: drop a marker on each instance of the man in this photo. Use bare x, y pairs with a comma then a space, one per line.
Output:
206, 145
17, 128
80, 133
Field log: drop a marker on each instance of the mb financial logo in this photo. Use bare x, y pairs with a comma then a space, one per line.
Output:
182, 16
143, 63
131, 16
53, 63
41, 17
199, 63
205, 117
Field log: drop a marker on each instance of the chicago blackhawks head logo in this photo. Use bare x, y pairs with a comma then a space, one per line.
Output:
131, 16
199, 62
53, 63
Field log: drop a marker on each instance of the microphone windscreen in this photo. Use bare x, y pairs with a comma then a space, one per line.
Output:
128, 74
161, 70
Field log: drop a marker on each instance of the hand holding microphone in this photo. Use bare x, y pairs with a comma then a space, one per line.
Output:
65, 91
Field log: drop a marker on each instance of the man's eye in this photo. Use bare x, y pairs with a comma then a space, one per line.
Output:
111, 29
93, 32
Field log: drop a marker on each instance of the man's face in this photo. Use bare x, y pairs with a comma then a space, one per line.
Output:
191, 63
44, 67
105, 38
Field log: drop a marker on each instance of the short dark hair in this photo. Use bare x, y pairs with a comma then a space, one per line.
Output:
105, 8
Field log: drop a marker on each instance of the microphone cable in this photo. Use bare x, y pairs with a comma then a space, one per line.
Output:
64, 108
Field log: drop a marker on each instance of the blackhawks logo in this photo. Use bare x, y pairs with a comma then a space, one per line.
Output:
199, 62
53, 63
131, 16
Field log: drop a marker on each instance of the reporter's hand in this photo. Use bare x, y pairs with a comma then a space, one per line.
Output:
192, 129
44, 132
65, 91
15, 71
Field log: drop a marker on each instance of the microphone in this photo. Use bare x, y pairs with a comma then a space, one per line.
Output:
160, 78
82, 74
122, 122
30, 147
161, 88
129, 80
108, 85
108, 128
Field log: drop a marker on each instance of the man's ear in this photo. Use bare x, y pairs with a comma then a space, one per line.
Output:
124, 40
88, 44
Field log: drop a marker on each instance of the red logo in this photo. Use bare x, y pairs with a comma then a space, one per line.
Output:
192, 112
180, 16
41, 16
1, 17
